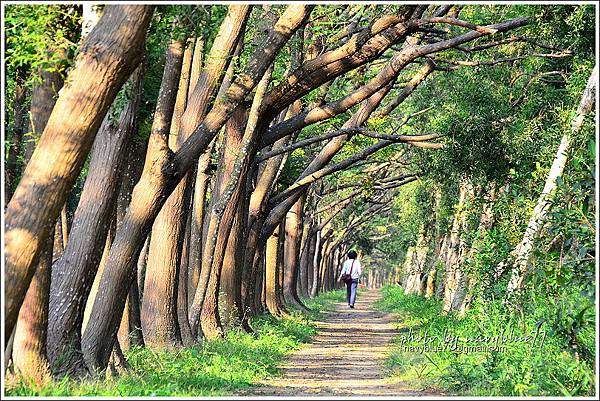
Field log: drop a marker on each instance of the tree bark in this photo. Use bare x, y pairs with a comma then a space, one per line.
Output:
523, 251
159, 305
303, 278
454, 272
316, 261
73, 274
271, 261
160, 178
415, 274
130, 330
167, 237
292, 255
29, 346
68, 136
210, 321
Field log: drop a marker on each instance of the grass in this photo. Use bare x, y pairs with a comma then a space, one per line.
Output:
324, 302
540, 366
214, 368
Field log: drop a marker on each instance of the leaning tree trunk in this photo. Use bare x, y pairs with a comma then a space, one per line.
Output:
158, 309
130, 330
73, 274
159, 305
162, 172
30, 335
407, 267
210, 321
29, 346
314, 291
68, 136
523, 251
304, 257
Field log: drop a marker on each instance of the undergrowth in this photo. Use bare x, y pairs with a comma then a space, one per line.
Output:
530, 358
213, 368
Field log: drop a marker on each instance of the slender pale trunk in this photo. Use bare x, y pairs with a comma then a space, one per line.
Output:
433, 281
314, 291
523, 251
304, 257
407, 267
413, 283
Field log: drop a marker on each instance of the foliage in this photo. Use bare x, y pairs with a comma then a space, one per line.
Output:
542, 365
35, 33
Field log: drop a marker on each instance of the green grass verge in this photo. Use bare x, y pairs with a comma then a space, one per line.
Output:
324, 302
541, 367
214, 368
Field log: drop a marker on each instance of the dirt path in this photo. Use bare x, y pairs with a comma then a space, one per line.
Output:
346, 357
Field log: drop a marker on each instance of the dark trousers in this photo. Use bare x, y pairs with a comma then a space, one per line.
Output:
351, 291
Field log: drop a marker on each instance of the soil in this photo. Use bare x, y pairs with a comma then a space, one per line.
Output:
346, 357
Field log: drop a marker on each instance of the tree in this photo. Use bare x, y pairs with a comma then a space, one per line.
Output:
85, 104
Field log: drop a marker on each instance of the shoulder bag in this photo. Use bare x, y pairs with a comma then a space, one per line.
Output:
347, 277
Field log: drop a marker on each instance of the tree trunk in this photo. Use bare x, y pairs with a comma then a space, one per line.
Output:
43, 99
168, 222
182, 288
280, 274
29, 346
407, 267
314, 291
68, 136
523, 251
73, 274
292, 255
232, 146
415, 274
232, 272
29, 350
271, 259
159, 305
130, 330
163, 172
75, 271
304, 257
454, 280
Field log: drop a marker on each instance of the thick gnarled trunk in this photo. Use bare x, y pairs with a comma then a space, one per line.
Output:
68, 135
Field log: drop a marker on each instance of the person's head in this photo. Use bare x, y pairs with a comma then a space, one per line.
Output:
352, 255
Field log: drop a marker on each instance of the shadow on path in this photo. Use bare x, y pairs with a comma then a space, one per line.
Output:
346, 357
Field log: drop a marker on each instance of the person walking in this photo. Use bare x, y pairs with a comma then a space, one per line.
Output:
350, 275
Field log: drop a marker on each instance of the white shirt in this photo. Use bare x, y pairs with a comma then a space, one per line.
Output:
356, 269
